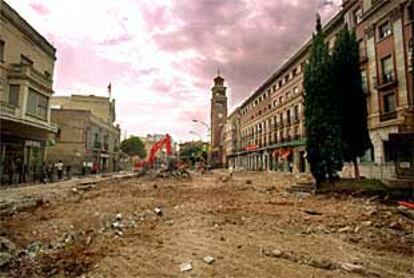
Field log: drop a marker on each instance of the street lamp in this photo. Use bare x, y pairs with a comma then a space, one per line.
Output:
197, 134
209, 135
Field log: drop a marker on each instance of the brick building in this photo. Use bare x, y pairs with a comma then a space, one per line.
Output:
218, 122
86, 133
272, 118
26, 79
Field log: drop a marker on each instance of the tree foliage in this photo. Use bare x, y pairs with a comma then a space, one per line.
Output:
322, 120
194, 151
134, 146
348, 87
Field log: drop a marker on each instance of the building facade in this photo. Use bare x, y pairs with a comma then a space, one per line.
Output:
218, 122
86, 133
26, 84
273, 135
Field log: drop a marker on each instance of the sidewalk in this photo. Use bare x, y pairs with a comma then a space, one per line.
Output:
26, 196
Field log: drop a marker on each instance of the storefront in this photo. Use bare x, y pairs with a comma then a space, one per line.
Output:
20, 156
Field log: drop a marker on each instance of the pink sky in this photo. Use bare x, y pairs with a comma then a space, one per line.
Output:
161, 55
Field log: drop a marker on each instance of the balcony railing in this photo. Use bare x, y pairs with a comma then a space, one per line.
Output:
7, 109
29, 71
388, 116
387, 80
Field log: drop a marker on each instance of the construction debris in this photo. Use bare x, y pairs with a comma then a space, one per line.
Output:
312, 212
184, 267
208, 259
59, 232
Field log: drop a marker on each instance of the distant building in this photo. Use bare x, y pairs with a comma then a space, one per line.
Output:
26, 77
86, 133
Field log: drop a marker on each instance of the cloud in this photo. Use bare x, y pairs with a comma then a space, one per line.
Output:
161, 56
40, 9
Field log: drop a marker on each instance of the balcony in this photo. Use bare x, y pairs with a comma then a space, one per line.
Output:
387, 81
388, 116
7, 109
27, 71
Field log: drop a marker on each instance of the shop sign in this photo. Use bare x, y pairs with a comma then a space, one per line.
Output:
251, 148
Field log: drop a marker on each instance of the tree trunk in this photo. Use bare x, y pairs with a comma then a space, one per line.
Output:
356, 169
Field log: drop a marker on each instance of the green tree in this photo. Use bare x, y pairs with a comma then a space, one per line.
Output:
322, 119
348, 87
134, 146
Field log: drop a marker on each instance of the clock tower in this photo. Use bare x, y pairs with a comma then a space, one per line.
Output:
218, 120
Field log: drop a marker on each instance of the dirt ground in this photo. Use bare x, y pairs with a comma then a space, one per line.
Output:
250, 225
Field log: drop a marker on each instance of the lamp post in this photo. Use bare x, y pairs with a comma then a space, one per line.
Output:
197, 134
209, 135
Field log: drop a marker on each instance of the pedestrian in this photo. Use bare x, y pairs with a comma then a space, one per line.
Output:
19, 169
10, 168
59, 168
231, 171
68, 168
44, 172
50, 171
84, 168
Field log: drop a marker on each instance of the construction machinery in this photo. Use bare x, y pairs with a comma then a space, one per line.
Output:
170, 167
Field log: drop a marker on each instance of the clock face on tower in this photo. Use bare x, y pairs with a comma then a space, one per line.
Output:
220, 115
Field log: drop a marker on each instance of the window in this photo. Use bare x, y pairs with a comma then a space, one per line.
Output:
286, 78
387, 67
14, 92
288, 95
274, 88
358, 16
364, 81
384, 30
288, 116
294, 72
58, 135
361, 48
281, 99
37, 104
296, 112
2, 48
25, 61
388, 105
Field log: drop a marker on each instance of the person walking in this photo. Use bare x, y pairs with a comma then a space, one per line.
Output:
44, 176
50, 172
10, 168
19, 170
59, 168
68, 169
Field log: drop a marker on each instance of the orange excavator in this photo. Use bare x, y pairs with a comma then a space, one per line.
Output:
149, 162
173, 169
